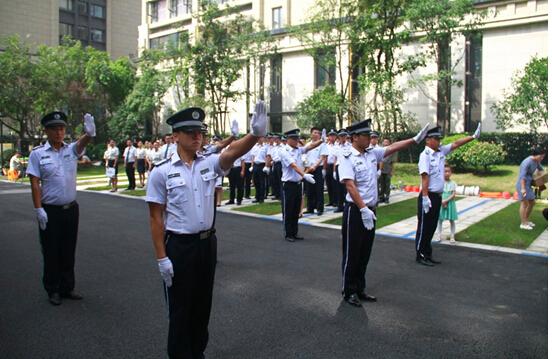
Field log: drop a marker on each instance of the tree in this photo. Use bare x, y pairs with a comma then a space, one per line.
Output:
319, 109
527, 103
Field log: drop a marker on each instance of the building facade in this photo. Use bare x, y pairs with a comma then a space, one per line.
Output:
108, 25
513, 32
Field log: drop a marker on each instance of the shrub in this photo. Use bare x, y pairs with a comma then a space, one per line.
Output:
96, 151
6, 156
484, 154
457, 158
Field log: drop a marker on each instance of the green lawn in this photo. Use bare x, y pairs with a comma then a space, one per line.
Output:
95, 170
501, 179
104, 188
390, 214
502, 228
262, 208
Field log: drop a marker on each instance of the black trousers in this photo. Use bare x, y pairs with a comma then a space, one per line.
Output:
236, 182
276, 179
427, 224
259, 181
129, 169
341, 191
58, 242
331, 184
384, 183
247, 180
357, 244
190, 296
291, 205
315, 192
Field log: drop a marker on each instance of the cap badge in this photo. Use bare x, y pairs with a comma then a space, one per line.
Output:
56, 116
195, 115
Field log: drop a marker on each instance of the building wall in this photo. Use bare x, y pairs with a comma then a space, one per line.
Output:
123, 19
35, 21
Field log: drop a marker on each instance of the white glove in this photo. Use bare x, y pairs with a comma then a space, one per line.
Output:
422, 134
166, 270
335, 175
323, 173
235, 129
368, 218
477, 132
266, 169
89, 126
309, 178
323, 137
426, 204
42, 217
251, 168
379, 173
259, 120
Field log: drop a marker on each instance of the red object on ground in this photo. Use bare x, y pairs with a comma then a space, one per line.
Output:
516, 197
491, 194
416, 188
506, 195
408, 188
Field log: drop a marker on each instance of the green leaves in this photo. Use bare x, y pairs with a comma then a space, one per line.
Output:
320, 109
527, 103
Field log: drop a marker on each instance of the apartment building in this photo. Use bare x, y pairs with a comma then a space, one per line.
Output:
513, 32
108, 25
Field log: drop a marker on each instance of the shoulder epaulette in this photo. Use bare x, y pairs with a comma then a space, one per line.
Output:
37, 147
161, 162
346, 152
426, 151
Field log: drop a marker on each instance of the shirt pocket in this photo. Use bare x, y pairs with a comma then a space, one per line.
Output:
176, 192
361, 172
209, 180
48, 167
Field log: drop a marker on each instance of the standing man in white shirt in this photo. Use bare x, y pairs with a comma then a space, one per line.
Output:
181, 201
341, 145
129, 158
431, 167
315, 166
259, 152
53, 173
112, 161
331, 183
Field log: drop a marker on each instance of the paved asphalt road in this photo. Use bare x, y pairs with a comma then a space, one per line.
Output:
273, 299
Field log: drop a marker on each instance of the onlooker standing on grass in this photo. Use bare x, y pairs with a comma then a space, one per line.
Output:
112, 161
154, 156
431, 167
448, 206
386, 168
141, 163
129, 157
331, 183
53, 173
523, 186
16, 166
315, 165
169, 147
358, 171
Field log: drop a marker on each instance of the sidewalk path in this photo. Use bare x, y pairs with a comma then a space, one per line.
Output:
540, 244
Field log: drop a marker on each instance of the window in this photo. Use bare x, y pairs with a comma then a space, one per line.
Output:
82, 32
324, 65
83, 8
97, 35
473, 83
443, 84
173, 8
65, 30
276, 18
154, 11
174, 40
66, 5
187, 6
97, 11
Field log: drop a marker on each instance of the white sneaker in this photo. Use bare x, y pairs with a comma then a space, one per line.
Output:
531, 224
526, 227
437, 238
452, 240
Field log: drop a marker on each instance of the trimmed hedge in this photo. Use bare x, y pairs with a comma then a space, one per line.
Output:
516, 145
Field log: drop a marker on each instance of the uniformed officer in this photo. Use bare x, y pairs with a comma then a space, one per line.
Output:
112, 161
331, 183
341, 191
358, 171
292, 175
259, 153
276, 166
180, 195
53, 173
431, 166
315, 162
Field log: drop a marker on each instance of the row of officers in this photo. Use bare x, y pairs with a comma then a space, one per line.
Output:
182, 210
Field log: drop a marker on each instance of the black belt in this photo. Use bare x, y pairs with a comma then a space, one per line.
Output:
201, 235
292, 182
63, 206
259, 164
353, 204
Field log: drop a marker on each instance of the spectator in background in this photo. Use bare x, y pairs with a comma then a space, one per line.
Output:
16, 167
129, 157
141, 163
386, 170
111, 157
525, 192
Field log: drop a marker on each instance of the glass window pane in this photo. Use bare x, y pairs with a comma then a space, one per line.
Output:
97, 35
97, 11
66, 5
277, 18
83, 8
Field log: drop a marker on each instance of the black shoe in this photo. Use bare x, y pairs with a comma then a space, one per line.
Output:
290, 239
229, 202
353, 300
297, 238
338, 210
319, 213
54, 299
72, 296
255, 201
424, 262
247, 197
366, 297
433, 261
239, 203
308, 212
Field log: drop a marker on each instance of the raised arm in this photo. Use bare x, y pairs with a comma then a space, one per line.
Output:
465, 140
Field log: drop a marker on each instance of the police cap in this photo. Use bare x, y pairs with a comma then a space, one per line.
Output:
360, 127
190, 118
55, 118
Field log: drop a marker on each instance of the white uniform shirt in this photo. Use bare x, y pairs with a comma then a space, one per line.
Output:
291, 155
237, 163
57, 170
315, 154
274, 152
332, 155
362, 168
155, 156
167, 150
112, 153
259, 153
248, 156
433, 163
141, 153
339, 149
129, 154
187, 191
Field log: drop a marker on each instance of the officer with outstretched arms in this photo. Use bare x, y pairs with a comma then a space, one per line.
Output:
181, 199
53, 173
358, 168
